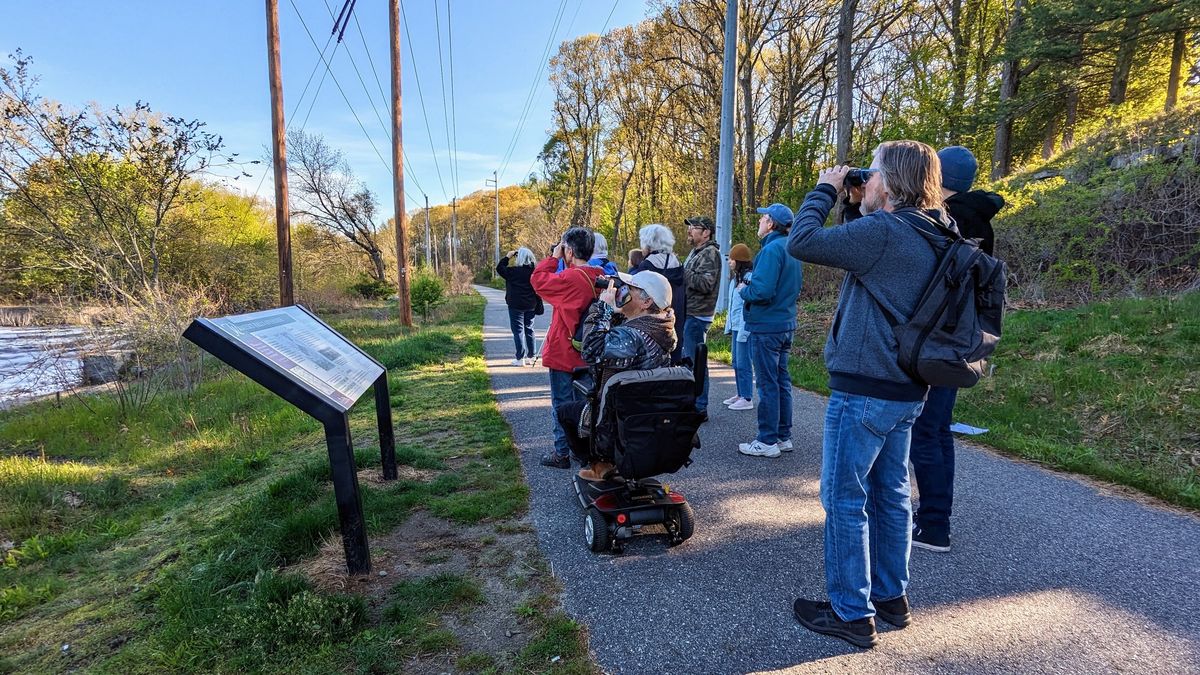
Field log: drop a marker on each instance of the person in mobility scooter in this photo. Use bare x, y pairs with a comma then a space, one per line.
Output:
639, 418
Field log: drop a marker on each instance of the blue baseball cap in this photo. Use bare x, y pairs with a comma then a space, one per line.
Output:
779, 213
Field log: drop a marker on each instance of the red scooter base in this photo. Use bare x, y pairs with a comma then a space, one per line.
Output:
616, 510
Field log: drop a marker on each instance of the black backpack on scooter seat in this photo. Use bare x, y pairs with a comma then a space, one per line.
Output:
957, 321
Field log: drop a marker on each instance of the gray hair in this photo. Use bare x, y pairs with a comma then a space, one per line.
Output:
657, 238
525, 257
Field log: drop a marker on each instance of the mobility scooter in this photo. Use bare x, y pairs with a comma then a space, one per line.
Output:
649, 421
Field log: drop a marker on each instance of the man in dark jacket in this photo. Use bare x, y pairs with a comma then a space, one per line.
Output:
702, 277
873, 403
770, 317
932, 452
522, 302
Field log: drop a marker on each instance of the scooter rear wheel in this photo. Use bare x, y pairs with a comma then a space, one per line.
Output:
595, 531
684, 523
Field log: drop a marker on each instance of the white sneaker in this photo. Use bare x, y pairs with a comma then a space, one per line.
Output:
527, 362
758, 449
731, 399
785, 446
742, 404
516, 362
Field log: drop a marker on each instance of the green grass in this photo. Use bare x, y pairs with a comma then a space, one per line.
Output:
1110, 390
161, 544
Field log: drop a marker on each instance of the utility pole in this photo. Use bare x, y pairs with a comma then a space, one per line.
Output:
404, 301
428, 244
453, 233
725, 154
495, 181
283, 227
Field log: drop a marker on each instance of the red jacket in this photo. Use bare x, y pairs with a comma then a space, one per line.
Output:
571, 291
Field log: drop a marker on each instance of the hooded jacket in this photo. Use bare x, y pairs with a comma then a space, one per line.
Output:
640, 343
973, 212
702, 274
669, 266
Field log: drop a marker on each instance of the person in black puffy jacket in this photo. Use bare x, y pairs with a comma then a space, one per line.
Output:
522, 302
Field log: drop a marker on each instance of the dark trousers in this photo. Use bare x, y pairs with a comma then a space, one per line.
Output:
521, 323
932, 457
568, 417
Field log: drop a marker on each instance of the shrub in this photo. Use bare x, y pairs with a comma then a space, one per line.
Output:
372, 289
426, 291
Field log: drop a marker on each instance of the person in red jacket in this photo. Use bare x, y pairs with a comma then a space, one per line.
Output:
571, 292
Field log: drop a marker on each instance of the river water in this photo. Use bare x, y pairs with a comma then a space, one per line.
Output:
38, 361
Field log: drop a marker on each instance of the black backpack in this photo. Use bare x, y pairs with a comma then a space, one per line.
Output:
957, 321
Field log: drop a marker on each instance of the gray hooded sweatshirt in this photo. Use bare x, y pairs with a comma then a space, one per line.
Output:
888, 262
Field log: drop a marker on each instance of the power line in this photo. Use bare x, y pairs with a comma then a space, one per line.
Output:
371, 99
602, 30
437, 23
420, 97
453, 110
299, 101
341, 90
562, 6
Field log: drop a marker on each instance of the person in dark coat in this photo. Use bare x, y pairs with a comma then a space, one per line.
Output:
522, 302
658, 249
932, 449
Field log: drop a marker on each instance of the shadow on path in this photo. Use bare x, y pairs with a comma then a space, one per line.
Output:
1048, 573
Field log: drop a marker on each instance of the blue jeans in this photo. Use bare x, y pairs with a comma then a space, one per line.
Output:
521, 323
770, 353
561, 391
695, 332
865, 493
742, 370
932, 456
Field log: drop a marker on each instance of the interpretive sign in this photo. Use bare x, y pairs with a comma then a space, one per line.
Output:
307, 349
301, 359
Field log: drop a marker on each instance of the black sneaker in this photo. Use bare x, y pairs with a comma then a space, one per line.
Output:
930, 541
819, 617
894, 611
556, 461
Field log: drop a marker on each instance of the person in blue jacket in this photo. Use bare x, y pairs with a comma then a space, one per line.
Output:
770, 316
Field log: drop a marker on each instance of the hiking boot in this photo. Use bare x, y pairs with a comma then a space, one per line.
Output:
930, 541
597, 471
741, 404
785, 446
731, 399
556, 461
819, 617
894, 611
759, 449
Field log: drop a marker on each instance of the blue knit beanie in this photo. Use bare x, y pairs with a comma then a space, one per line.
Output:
958, 168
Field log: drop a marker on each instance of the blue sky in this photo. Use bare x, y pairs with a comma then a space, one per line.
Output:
207, 60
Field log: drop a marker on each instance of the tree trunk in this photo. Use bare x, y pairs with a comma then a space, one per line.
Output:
1009, 81
748, 196
1176, 68
1050, 137
845, 79
1120, 78
958, 94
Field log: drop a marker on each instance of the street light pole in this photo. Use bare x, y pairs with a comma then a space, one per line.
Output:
725, 154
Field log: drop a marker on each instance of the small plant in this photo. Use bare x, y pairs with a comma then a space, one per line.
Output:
427, 291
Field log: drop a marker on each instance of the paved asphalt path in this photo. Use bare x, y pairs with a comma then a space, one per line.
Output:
1048, 573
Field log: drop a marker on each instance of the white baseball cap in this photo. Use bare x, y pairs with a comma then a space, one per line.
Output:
654, 284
